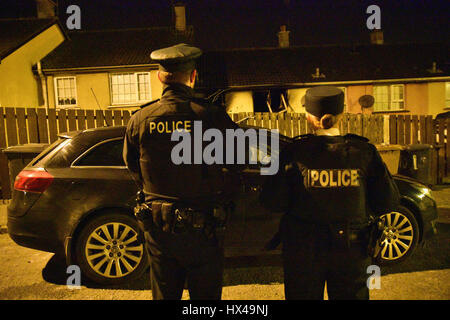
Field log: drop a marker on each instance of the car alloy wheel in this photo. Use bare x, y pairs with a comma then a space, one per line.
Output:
399, 236
113, 251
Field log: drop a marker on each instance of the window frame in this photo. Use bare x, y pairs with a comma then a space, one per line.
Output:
391, 99
344, 90
136, 81
55, 85
447, 94
75, 165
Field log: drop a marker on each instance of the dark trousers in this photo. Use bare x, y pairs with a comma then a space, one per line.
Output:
188, 256
311, 257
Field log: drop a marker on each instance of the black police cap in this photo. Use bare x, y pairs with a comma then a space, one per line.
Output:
180, 57
323, 100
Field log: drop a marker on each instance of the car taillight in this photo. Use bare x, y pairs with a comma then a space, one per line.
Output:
33, 181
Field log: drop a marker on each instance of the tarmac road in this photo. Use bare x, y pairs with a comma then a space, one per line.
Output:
30, 274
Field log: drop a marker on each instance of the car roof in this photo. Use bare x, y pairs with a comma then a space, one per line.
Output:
117, 131
443, 115
111, 131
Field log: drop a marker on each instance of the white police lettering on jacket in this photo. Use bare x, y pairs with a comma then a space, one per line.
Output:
333, 178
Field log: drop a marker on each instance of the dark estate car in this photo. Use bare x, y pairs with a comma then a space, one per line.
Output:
76, 198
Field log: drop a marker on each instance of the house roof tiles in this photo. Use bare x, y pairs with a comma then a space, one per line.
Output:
254, 67
107, 48
276, 66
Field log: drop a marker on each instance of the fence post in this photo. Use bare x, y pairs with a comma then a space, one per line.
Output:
392, 129
415, 129
42, 125
62, 121
52, 126
80, 115
22, 125
295, 125
422, 129
303, 125
2, 129
401, 129
126, 117
273, 121
266, 120
447, 149
71, 117
4, 174
442, 150
90, 119
407, 129
430, 137
11, 127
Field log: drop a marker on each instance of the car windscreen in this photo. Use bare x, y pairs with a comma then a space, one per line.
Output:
48, 152
104, 154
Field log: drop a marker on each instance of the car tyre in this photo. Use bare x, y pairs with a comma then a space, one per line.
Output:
401, 235
109, 251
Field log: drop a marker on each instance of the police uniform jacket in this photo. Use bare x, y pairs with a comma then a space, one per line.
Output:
148, 147
331, 179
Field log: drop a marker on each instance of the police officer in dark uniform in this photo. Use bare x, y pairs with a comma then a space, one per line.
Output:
328, 186
181, 202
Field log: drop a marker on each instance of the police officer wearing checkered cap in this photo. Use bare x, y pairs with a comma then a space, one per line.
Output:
178, 212
328, 186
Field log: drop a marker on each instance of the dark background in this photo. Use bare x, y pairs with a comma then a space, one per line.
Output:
255, 23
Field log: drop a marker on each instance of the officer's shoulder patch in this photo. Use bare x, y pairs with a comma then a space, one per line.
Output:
356, 137
303, 136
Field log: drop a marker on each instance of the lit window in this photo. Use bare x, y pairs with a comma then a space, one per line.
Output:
65, 92
389, 98
128, 88
397, 97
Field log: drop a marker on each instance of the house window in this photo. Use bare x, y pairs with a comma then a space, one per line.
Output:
273, 100
389, 98
130, 88
65, 92
447, 94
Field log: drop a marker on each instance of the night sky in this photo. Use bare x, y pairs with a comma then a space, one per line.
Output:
255, 23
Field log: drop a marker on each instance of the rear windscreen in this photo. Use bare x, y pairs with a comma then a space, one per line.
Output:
49, 151
105, 154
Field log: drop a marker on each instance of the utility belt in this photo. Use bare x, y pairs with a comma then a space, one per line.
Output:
342, 235
176, 217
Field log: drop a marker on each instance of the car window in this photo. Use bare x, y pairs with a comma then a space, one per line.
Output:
52, 147
105, 154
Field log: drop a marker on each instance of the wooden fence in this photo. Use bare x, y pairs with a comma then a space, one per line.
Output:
294, 124
37, 125
413, 129
21, 126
